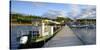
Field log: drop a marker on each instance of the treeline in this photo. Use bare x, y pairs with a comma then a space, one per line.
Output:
60, 19
86, 21
20, 18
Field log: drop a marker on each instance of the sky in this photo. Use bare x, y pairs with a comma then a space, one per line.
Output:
53, 9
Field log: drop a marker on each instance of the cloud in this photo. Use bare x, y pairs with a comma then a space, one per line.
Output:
90, 7
54, 13
39, 4
82, 11
75, 10
89, 12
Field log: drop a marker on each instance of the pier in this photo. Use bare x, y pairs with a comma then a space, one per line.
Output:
65, 37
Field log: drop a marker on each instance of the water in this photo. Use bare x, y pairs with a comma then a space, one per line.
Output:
86, 35
15, 30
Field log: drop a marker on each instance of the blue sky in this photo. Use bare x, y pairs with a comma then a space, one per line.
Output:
41, 8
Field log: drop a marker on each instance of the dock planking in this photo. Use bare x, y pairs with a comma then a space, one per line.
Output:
65, 37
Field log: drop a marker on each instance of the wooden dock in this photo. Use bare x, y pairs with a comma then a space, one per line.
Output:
65, 37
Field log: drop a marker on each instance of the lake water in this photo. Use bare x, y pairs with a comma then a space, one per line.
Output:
86, 35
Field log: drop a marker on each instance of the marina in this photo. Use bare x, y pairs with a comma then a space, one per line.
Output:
44, 25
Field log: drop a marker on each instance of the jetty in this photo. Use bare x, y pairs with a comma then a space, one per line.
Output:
65, 37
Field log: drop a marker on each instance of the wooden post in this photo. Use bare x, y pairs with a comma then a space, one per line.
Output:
51, 30
42, 29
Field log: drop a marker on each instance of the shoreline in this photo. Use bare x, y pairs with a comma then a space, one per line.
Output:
12, 24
